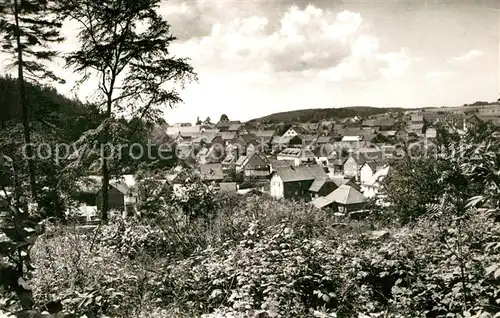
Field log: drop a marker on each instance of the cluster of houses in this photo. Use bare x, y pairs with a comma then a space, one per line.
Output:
333, 164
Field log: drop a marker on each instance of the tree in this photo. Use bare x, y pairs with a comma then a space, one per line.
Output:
223, 118
124, 45
27, 29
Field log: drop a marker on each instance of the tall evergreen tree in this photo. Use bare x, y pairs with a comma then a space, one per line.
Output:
124, 45
27, 30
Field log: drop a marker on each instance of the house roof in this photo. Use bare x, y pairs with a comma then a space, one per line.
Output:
276, 164
223, 124
387, 122
345, 195
352, 138
300, 173
297, 153
183, 130
265, 133
241, 160
228, 135
298, 129
229, 159
339, 180
211, 171
206, 137
324, 139
228, 186
317, 184
417, 118
379, 175
234, 127
254, 161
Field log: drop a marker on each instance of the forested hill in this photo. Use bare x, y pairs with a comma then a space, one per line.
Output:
315, 115
49, 109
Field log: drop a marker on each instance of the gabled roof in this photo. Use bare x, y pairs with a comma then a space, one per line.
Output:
205, 137
211, 171
234, 127
241, 160
255, 161
317, 184
227, 135
300, 173
265, 133
324, 139
345, 195
340, 180
387, 122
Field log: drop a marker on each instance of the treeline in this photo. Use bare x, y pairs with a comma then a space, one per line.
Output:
317, 115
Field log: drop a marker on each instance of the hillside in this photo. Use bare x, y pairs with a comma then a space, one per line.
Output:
50, 109
312, 115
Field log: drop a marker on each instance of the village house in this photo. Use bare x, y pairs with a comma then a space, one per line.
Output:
337, 167
311, 128
239, 129
371, 187
276, 164
294, 182
342, 180
353, 164
368, 170
294, 131
280, 142
254, 165
344, 199
297, 155
321, 187
185, 132
121, 197
387, 124
223, 126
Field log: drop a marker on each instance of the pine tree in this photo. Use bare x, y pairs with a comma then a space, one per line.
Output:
124, 44
27, 29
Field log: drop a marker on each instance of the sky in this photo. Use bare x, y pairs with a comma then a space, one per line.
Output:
255, 58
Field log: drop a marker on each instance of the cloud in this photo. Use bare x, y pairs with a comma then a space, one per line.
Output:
304, 40
439, 74
472, 54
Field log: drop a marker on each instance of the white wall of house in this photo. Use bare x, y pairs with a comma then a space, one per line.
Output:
369, 190
276, 187
290, 132
366, 174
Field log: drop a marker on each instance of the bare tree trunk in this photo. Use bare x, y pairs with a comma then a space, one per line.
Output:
24, 105
104, 161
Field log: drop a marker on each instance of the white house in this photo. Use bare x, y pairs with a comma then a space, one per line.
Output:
370, 186
293, 131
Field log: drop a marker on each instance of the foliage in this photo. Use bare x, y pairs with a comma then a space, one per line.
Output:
18, 232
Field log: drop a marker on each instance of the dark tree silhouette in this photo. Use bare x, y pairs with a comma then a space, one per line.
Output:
124, 44
26, 29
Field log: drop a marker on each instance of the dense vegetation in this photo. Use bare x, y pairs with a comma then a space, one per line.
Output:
433, 252
432, 249
316, 115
